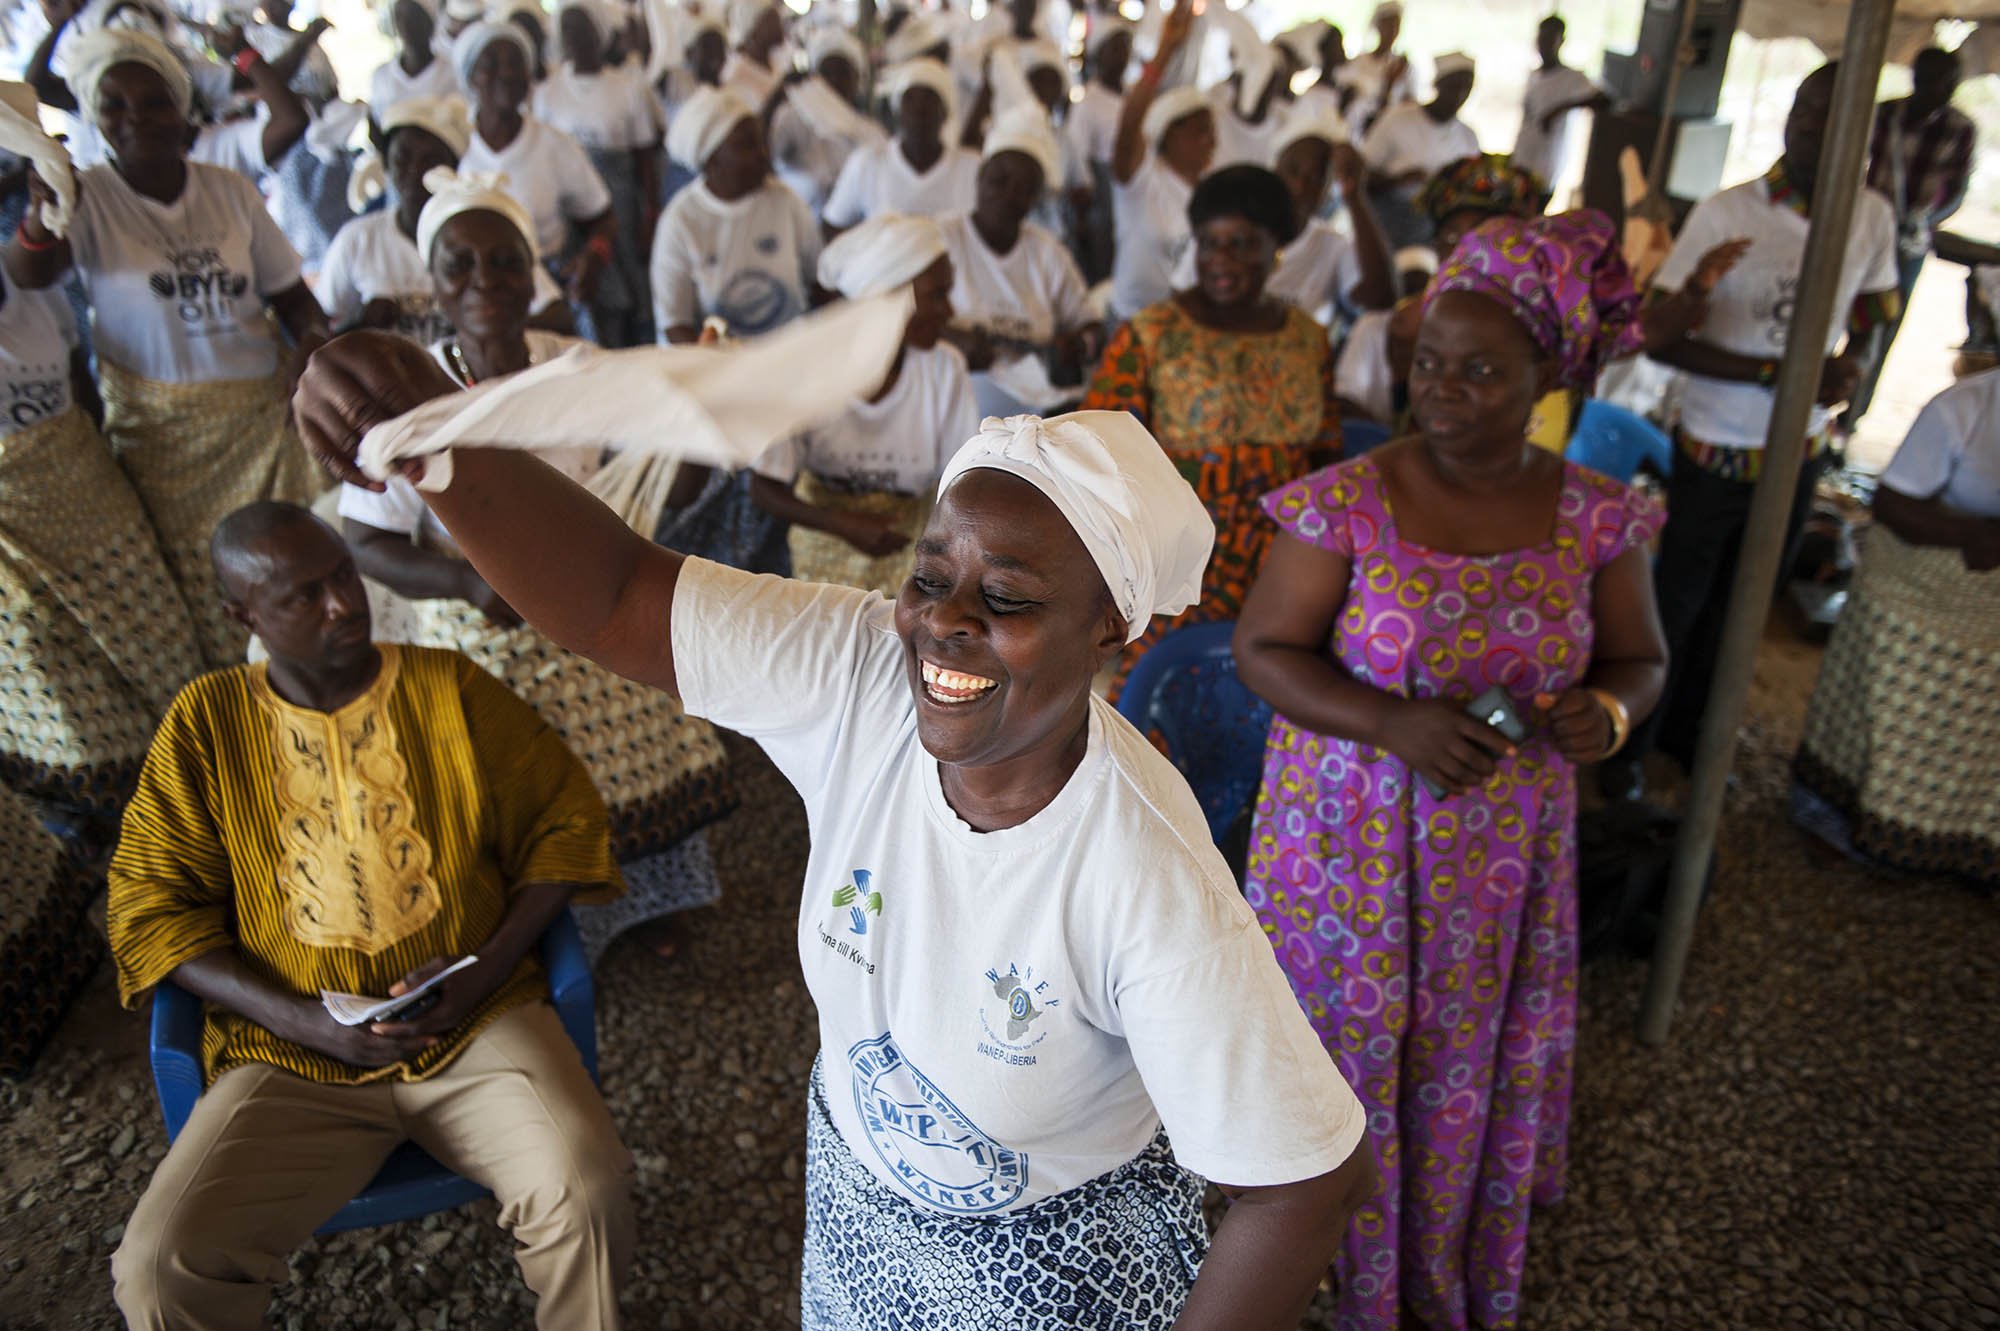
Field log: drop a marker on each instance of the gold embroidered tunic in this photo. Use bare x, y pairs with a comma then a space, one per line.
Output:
341, 850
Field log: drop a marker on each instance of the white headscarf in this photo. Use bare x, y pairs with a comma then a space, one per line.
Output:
1452, 62
879, 255
918, 35
445, 118
1303, 41
592, 10
1322, 122
464, 11
1025, 129
1042, 53
694, 27
1171, 105
743, 17
702, 123
476, 191
829, 42
93, 54
472, 44
1144, 527
924, 73
21, 134
1103, 27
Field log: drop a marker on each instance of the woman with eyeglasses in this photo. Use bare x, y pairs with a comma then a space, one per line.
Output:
1235, 383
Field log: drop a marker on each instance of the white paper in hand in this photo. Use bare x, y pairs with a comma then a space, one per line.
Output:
357, 1009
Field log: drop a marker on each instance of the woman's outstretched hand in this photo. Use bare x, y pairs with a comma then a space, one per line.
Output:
354, 383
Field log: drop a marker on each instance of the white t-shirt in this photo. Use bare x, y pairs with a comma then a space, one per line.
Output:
1406, 138
807, 162
878, 179
234, 145
400, 509
1155, 244
1316, 271
1005, 1016
612, 110
750, 261
178, 291
1750, 312
551, 176
37, 333
1546, 152
1237, 141
900, 443
1091, 126
389, 84
370, 256
1029, 294
1953, 450
1321, 97
1362, 374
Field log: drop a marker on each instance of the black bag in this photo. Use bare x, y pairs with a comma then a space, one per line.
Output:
1624, 853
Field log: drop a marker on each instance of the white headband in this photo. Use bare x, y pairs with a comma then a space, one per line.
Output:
472, 44
1144, 527
1025, 129
476, 191
93, 55
879, 255
829, 42
1453, 62
704, 120
1322, 122
1171, 106
924, 73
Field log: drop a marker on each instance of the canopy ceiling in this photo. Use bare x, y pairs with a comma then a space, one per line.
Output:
1824, 23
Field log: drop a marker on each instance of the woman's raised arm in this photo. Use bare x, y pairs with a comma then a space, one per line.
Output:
565, 562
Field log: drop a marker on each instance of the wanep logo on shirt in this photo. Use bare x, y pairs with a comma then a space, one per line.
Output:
929, 1148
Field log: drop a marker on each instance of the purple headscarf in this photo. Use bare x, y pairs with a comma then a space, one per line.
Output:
1564, 279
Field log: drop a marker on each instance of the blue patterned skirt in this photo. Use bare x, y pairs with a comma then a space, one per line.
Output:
1120, 1252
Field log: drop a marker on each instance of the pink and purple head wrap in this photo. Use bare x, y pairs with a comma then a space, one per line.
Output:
1563, 277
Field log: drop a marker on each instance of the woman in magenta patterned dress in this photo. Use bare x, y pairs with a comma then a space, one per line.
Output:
1432, 938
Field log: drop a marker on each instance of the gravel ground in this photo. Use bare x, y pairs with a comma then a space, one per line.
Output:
1815, 1148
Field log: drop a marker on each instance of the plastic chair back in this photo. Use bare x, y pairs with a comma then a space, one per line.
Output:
1615, 441
410, 1183
1185, 690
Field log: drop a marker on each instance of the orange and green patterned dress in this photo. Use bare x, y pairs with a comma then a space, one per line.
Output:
1241, 414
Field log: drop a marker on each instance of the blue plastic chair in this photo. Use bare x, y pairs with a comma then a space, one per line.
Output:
410, 1184
1185, 690
1357, 437
1615, 441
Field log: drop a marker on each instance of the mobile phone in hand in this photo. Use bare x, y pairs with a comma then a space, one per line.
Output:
416, 1007
1496, 708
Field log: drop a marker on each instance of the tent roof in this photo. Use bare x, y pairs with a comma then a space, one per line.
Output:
1824, 24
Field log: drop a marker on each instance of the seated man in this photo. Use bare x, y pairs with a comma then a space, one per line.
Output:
355, 817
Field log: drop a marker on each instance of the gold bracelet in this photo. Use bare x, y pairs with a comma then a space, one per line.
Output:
1621, 720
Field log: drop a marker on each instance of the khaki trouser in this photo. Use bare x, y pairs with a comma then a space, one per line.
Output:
267, 1157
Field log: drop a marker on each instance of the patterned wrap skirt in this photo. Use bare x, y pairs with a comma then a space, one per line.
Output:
196, 453
48, 947
1119, 1253
663, 774
819, 556
1901, 754
95, 640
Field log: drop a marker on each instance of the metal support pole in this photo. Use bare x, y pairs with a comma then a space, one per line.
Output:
1834, 196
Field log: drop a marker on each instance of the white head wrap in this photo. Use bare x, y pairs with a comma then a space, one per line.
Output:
1102, 26
1025, 129
692, 30
1171, 105
1302, 40
1415, 259
476, 191
918, 35
1322, 122
1043, 53
829, 42
464, 11
879, 255
444, 117
472, 44
1252, 55
92, 55
924, 73
743, 16
1145, 530
703, 122
21, 134
1452, 62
